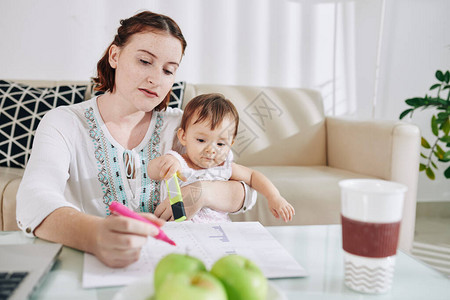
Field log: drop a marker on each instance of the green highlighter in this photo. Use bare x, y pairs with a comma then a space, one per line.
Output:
176, 200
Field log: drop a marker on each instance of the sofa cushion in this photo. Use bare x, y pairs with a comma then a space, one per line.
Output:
21, 109
9, 205
7, 174
23, 105
176, 94
311, 190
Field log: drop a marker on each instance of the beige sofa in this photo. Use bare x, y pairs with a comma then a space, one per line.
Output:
285, 134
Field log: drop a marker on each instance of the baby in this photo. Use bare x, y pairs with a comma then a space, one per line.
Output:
208, 129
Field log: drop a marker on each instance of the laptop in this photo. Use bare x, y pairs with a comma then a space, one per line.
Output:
23, 268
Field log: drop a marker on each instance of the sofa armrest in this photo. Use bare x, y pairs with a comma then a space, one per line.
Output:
7, 209
389, 150
9, 205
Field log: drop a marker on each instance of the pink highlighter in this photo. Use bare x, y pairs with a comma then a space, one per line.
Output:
122, 210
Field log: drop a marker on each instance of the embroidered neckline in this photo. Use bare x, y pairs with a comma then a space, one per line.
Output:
128, 159
109, 171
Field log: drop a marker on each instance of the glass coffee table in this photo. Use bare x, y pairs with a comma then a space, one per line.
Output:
317, 248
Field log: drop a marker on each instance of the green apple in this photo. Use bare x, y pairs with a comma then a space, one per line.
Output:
175, 263
199, 285
243, 280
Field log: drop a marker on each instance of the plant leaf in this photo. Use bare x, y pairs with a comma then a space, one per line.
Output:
425, 143
434, 165
438, 102
447, 173
446, 156
442, 116
439, 75
405, 112
440, 151
416, 102
435, 86
445, 139
446, 126
430, 173
447, 76
434, 126
423, 155
422, 167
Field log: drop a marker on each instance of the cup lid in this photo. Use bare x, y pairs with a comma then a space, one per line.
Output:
373, 186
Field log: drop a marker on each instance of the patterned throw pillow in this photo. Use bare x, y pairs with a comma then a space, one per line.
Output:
176, 95
21, 109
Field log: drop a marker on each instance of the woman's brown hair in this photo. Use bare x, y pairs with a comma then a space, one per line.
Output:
212, 107
144, 21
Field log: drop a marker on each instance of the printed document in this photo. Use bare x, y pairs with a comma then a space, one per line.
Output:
208, 242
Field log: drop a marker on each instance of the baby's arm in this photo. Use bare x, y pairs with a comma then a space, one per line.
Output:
163, 167
277, 204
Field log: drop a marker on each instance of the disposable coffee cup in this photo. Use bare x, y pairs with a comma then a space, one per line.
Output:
371, 213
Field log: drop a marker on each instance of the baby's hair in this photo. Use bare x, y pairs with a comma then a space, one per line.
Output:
212, 107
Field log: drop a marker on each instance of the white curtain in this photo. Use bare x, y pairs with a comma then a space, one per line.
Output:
329, 45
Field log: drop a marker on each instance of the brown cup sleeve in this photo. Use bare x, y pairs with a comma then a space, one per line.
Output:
370, 239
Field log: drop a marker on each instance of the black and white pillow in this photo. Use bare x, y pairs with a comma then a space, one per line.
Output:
21, 109
176, 94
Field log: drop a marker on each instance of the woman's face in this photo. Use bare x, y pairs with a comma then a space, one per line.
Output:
145, 68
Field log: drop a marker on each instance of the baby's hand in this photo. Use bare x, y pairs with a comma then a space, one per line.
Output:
280, 207
169, 165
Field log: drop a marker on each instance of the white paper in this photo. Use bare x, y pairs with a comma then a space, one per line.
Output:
208, 242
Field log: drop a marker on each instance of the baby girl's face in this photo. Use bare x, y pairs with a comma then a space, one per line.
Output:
207, 148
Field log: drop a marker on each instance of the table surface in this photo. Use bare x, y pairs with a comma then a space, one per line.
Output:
317, 248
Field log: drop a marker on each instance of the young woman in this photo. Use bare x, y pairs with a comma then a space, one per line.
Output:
87, 155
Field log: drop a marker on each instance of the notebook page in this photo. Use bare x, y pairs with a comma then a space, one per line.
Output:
208, 242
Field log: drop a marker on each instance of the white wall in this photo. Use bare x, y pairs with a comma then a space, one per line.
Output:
322, 44
51, 39
416, 43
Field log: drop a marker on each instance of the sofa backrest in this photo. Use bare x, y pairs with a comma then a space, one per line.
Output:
278, 126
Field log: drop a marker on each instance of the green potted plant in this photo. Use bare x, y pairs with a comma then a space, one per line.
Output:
439, 148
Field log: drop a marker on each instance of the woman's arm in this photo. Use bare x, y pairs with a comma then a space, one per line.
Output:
115, 240
226, 196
